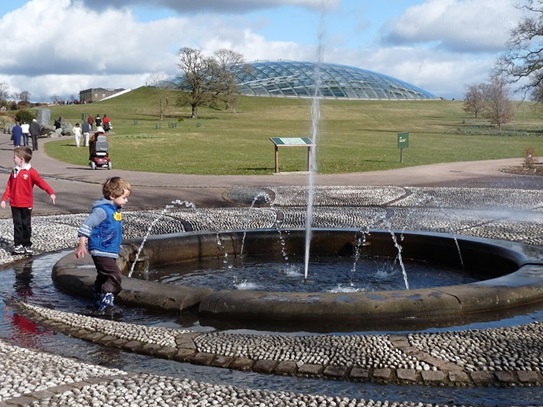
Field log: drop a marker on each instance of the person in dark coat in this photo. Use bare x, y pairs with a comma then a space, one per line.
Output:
17, 134
35, 130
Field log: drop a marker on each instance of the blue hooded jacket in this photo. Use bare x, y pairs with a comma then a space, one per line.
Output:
105, 234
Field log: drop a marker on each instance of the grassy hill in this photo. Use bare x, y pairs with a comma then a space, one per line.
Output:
353, 136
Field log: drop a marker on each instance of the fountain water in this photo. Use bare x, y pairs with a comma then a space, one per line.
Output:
152, 225
427, 199
315, 115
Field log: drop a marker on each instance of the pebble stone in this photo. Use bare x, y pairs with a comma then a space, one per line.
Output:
35, 378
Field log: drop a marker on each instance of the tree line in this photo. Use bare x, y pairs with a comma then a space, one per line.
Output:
521, 64
15, 101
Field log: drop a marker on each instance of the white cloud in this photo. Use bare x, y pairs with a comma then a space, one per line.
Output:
68, 47
66, 43
438, 72
456, 25
230, 6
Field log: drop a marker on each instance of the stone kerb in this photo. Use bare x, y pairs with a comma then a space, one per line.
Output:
188, 347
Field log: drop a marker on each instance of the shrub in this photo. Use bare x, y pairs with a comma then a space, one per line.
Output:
24, 115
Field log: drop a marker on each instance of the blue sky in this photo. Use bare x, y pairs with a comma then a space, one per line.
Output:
59, 47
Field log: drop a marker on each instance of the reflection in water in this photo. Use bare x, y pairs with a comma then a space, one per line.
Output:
23, 279
24, 331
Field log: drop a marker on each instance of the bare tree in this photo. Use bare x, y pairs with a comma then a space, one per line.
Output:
208, 80
537, 93
57, 100
161, 89
523, 60
198, 81
499, 108
228, 62
474, 101
24, 97
4, 94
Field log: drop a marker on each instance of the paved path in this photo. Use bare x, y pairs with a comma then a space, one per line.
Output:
76, 186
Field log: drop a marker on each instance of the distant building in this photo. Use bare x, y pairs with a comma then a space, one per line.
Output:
96, 94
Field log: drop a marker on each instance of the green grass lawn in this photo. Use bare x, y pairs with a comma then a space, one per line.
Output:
352, 136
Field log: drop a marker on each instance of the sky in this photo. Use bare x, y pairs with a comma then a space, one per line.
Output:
55, 48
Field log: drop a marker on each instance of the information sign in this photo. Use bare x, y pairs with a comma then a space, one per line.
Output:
291, 142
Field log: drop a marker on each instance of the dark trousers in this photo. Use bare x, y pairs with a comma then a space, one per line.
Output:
22, 226
34, 142
109, 276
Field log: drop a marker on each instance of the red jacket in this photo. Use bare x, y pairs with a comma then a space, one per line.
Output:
19, 188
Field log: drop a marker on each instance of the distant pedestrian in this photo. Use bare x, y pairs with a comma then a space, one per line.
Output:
77, 134
26, 133
86, 129
98, 121
17, 134
90, 121
106, 123
35, 130
19, 192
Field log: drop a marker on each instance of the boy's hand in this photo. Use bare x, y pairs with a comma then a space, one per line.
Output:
80, 252
3, 204
53, 198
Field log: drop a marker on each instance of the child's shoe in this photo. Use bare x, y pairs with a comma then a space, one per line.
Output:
106, 300
19, 249
29, 251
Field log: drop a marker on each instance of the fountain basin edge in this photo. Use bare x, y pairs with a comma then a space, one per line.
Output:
511, 278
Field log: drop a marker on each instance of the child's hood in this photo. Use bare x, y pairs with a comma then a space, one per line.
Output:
101, 201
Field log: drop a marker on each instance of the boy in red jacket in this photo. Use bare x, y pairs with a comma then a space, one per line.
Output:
21, 198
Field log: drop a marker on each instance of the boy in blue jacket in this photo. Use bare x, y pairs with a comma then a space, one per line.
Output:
102, 232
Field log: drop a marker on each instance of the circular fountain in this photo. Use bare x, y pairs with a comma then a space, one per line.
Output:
509, 278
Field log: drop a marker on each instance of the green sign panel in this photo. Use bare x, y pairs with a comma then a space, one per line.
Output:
403, 140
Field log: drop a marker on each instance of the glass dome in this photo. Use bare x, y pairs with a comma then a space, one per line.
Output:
297, 79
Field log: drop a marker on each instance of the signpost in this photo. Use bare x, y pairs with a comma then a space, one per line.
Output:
403, 142
291, 142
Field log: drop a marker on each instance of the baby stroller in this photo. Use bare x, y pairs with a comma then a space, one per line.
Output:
98, 151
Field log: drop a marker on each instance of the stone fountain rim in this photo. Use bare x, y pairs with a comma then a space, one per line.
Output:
521, 287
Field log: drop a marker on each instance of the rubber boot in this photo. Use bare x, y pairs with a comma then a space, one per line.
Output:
106, 300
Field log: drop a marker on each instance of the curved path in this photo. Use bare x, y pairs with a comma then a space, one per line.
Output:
76, 186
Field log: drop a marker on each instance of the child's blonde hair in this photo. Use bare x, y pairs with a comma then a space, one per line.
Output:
115, 187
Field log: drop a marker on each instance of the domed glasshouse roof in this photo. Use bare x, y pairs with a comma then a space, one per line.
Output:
297, 79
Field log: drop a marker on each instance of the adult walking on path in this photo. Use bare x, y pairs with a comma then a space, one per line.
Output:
26, 133
17, 134
35, 130
86, 129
